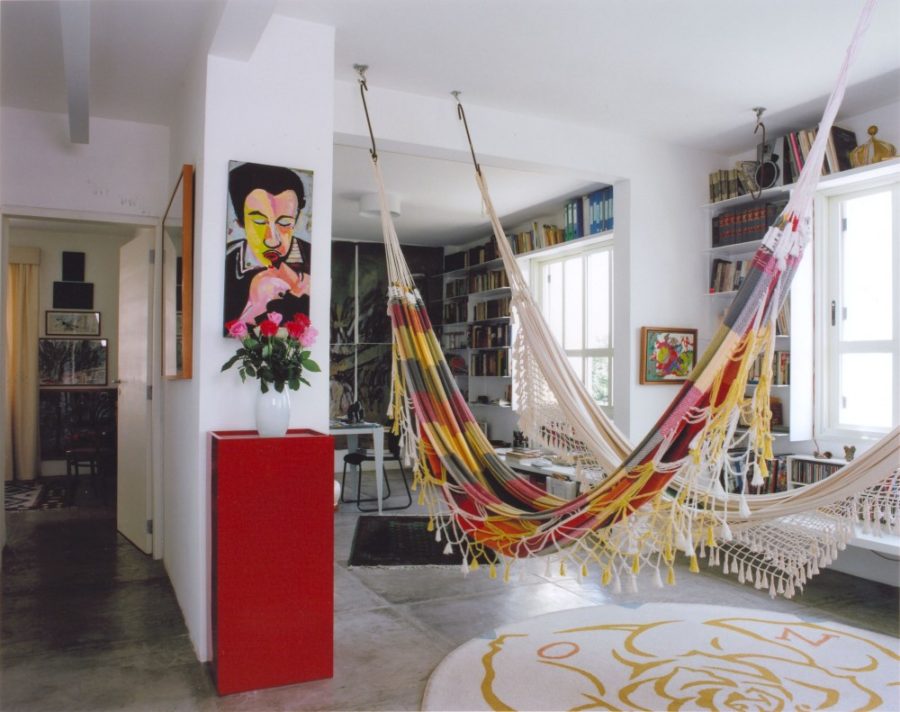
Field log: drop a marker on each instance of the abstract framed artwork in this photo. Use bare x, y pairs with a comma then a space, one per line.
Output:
268, 242
668, 354
72, 323
72, 362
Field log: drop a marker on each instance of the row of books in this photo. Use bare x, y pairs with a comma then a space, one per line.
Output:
727, 275
745, 224
489, 335
805, 472
783, 322
491, 309
777, 480
489, 363
781, 369
589, 214
725, 184
456, 288
484, 281
539, 236
790, 153
454, 340
456, 312
796, 145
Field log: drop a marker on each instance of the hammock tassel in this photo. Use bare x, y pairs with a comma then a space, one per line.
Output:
670, 577
607, 576
695, 567
448, 549
657, 579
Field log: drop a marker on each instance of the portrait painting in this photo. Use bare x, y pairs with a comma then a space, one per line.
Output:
268, 241
668, 354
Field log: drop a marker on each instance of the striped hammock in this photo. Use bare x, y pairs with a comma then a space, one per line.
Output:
663, 496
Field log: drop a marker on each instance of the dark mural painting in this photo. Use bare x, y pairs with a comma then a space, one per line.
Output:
343, 292
66, 415
359, 275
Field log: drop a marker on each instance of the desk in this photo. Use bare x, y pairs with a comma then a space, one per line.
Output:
352, 431
561, 479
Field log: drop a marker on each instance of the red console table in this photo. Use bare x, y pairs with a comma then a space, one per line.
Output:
272, 558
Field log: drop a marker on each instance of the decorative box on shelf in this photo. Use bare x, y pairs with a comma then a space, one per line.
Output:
272, 558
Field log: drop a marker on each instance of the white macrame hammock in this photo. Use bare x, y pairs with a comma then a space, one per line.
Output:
774, 541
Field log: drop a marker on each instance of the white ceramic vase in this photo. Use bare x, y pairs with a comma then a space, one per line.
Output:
273, 413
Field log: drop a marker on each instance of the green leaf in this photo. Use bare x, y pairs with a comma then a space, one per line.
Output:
263, 386
294, 384
311, 365
303, 380
230, 362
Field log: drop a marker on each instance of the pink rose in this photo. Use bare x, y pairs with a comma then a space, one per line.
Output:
275, 318
236, 328
308, 337
269, 328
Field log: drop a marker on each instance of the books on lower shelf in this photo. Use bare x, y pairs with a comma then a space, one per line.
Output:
745, 224
489, 335
806, 470
455, 312
491, 309
727, 275
781, 369
489, 363
490, 279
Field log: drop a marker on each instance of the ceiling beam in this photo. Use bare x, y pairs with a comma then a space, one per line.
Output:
75, 16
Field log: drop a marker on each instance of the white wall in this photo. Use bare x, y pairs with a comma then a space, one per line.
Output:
660, 271
286, 120
120, 172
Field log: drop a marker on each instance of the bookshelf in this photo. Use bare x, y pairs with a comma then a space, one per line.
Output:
805, 469
477, 332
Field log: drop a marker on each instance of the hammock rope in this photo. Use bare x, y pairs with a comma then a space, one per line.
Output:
664, 495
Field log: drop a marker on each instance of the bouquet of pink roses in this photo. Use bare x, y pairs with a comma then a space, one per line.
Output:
273, 352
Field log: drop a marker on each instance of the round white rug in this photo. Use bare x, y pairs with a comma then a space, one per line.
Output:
664, 656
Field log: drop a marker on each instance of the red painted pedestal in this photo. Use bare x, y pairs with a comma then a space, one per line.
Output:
272, 558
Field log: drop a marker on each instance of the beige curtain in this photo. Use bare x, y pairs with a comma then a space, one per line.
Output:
22, 329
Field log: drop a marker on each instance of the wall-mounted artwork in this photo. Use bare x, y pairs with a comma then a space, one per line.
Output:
73, 266
73, 295
668, 354
267, 252
360, 327
72, 362
65, 412
71, 323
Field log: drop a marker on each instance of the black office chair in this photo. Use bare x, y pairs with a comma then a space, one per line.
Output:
357, 458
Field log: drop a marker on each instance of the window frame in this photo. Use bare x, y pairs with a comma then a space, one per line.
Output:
828, 345
539, 263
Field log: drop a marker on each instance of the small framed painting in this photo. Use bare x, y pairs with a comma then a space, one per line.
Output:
668, 354
72, 362
72, 323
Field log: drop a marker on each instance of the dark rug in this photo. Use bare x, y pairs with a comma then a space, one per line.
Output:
58, 493
20, 496
398, 541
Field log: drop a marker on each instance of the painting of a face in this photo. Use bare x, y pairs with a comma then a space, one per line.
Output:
269, 223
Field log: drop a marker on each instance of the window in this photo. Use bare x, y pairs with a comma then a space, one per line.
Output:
575, 295
860, 341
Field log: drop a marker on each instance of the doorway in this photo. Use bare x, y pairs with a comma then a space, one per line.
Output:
92, 434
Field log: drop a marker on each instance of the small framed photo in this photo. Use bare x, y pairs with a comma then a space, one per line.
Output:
668, 354
72, 323
72, 362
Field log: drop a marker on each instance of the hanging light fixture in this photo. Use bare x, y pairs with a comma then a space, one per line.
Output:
370, 207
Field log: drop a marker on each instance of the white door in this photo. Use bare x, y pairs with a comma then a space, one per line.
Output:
133, 505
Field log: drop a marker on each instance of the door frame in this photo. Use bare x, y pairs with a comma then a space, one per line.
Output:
8, 212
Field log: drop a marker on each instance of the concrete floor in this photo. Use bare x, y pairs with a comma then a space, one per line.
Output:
89, 623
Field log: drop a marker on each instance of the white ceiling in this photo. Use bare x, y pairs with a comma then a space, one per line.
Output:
686, 71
